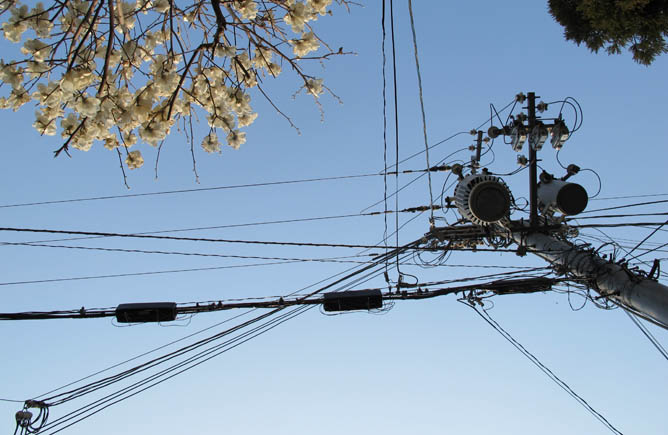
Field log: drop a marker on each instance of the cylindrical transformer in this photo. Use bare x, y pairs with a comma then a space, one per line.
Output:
482, 199
562, 196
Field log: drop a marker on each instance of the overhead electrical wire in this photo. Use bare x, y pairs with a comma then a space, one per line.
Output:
385, 209
646, 238
627, 206
187, 239
248, 224
621, 224
648, 334
191, 335
608, 198
396, 132
412, 181
611, 216
649, 251
505, 280
122, 394
531, 357
129, 274
343, 259
199, 189
202, 269
181, 367
201, 239
609, 240
424, 118
97, 406
153, 350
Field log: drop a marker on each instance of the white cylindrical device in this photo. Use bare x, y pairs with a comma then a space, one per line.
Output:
562, 196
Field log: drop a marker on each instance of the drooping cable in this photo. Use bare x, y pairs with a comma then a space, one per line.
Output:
563, 385
186, 239
424, 118
647, 333
201, 189
646, 238
190, 335
382, 23
122, 394
396, 131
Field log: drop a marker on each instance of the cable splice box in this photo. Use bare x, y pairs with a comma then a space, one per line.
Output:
146, 312
353, 300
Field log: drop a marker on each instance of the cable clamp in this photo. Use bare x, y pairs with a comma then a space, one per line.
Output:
35, 404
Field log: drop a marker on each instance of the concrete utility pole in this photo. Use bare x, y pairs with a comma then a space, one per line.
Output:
533, 163
646, 296
484, 200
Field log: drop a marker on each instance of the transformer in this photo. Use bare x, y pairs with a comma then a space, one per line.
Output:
561, 196
483, 199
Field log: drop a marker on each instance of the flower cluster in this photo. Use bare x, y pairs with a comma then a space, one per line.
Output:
119, 73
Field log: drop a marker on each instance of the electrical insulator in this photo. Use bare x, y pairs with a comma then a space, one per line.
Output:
482, 199
560, 134
561, 196
518, 135
522, 160
494, 132
538, 136
23, 418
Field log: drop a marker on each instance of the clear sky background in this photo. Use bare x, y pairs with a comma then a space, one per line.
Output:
424, 367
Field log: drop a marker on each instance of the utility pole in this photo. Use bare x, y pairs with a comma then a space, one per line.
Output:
483, 199
533, 163
645, 296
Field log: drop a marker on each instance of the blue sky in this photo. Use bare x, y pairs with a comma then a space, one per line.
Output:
425, 366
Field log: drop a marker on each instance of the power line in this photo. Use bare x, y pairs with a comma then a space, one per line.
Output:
190, 335
187, 239
236, 266
627, 206
159, 272
210, 240
188, 363
424, 118
648, 334
625, 224
610, 216
248, 224
563, 385
200, 189
396, 131
342, 259
519, 282
628, 197
646, 238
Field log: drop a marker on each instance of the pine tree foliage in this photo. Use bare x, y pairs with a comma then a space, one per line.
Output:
613, 25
